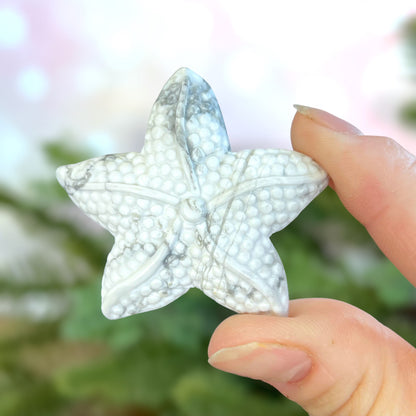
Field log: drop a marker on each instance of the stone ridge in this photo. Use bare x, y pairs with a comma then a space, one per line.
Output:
187, 212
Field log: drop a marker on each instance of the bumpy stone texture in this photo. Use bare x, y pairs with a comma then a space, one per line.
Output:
187, 212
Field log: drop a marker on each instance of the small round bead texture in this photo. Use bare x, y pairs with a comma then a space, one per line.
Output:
188, 212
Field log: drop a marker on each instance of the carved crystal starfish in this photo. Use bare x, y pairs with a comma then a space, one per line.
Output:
187, 212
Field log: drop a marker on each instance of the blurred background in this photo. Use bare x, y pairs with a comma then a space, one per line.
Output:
77, 80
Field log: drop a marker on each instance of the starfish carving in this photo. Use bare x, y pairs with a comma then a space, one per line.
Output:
187, 212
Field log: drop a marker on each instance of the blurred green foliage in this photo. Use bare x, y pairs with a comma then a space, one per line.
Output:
408, 110
75, 362
409, 36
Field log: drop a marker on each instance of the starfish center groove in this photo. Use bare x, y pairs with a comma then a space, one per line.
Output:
193, 210
188, 212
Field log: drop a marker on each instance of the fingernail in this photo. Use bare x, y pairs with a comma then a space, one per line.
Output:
327, 120
267, 362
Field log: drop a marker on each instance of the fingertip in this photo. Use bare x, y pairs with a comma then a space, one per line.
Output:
327, 120
374, 177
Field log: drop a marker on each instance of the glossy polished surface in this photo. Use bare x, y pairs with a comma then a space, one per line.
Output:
188, 212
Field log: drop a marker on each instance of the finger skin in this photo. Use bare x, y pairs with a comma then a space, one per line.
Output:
375, 179
360, 367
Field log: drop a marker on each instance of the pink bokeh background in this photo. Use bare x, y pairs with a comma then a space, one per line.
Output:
89, 71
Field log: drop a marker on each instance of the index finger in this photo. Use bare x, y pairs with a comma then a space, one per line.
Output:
374, 177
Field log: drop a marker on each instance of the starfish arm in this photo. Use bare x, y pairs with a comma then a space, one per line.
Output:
260, 193
245, 276
123, 195
266, 188
119, 191
187, 208
144, 276
187, 119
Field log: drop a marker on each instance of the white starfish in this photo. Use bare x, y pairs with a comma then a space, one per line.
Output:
187, 212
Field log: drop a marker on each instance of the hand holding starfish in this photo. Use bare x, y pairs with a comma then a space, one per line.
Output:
188, 212
328, 356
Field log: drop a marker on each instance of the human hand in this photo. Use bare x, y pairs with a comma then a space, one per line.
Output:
328, 356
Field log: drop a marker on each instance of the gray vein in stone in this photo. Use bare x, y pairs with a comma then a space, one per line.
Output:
187, 211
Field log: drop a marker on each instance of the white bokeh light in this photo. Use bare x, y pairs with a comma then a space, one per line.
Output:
13, 28
100, 142
91, 80
32, 83
246, 70
13, 143
95, 67
384, 74
112, 28
320, 91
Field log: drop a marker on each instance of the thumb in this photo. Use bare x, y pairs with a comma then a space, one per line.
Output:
328, 356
